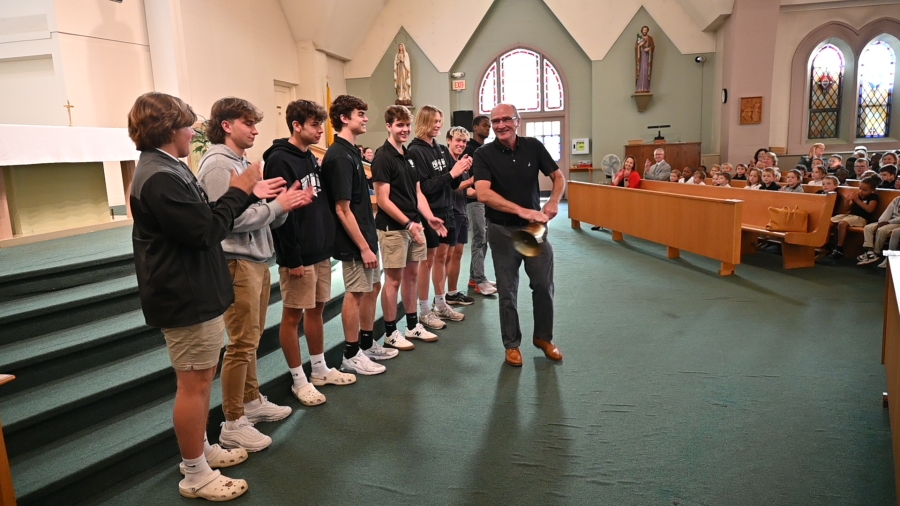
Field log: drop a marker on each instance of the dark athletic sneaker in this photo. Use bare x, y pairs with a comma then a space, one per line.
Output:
459, 299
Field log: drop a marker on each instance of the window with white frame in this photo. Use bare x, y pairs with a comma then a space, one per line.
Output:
524, 78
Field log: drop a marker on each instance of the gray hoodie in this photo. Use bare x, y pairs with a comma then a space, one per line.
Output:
250, 239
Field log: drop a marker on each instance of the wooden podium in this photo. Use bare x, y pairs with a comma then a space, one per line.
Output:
678, 154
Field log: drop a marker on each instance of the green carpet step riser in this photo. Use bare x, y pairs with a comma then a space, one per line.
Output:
13, 287
68, 316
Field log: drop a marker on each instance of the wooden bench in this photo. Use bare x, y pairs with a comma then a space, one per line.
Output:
798, 248
854, 241
705, 226
7, 492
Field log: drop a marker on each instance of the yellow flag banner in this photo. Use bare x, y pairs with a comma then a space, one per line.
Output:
329, 133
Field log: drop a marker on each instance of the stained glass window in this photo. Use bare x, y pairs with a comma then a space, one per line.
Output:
876, 85
523, 78
826, 77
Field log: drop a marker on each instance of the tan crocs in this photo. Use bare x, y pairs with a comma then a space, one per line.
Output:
334, 377
308, 395
222, 457
215, 488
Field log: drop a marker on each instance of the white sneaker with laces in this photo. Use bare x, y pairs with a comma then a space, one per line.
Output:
485, 288
243, 435
419, 332
266, 411
396, 340
361, 364
379, 352
431, 320
448, 313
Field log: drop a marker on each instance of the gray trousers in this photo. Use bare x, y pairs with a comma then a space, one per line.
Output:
540, 275
478, 244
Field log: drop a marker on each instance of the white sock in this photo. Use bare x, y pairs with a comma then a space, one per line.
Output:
207, 448
195, 470
452, 292
440, 302
233, 424
319, 367
424, 307
298, 376
255, 403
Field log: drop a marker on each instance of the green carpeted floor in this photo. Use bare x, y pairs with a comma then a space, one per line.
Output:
679, 387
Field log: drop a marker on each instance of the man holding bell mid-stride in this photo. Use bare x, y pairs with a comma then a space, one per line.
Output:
506, 181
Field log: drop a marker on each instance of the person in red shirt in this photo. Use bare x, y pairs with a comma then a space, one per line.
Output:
627, 176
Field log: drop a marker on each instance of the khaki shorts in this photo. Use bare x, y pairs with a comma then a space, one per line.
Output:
851, 219
196, 347
398, 248
358, 279
304, 292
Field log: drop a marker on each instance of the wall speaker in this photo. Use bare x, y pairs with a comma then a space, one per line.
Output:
463, 119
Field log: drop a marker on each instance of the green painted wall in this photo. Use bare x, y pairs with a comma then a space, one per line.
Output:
430, 87
677, 83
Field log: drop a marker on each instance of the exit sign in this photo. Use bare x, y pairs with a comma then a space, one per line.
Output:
459, 85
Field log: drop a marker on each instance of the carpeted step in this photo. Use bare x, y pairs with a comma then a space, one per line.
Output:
49, 312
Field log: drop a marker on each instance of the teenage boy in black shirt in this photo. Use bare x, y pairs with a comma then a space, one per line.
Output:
481, 129
457, 137
303, 247
356, 243
437, 183
506, 181
400, 230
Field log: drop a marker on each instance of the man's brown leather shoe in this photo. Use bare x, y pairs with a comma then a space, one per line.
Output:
550, 349
514, 357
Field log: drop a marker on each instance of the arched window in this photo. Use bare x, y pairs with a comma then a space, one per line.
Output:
525, 79
876, 85
826, 79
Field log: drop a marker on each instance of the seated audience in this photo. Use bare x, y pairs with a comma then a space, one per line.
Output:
740, 172
835, 162
876, 234
714, 170
771, 160
802, 168
870, 173
722, 179
768, 177
794, 182
888, 175
758, 156
815, 151
863, 204
703, 169
829, 184
875, 161
699, 177
687, 176
818, 162
368, 155
860, 167
627, 176
675, 176
888, 158
728, 168
818, 176
754, 179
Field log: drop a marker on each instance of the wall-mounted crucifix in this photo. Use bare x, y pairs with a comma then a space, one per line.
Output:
69, 107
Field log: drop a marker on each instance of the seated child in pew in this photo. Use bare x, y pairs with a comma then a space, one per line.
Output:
818, 176
754, 179
687, 176
727, 168
699, 176
769, 178
863, 204
794, 180
829, 184
876, 234
740, 172
715, 169
888, 175
675, 176
723, 179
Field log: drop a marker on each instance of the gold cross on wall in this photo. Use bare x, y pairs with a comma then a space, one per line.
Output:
69, 107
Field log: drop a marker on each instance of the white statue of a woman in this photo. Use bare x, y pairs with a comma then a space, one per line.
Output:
402, 77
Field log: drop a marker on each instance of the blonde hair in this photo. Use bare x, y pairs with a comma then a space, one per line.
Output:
812, 150
425, 120
457, 131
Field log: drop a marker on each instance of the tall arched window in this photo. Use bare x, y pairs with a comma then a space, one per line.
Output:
876, 85
525, 79
826, 79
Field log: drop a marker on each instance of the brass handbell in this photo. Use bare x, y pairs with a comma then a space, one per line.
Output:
530, 240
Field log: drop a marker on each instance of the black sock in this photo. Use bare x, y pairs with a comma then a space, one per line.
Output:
390, 327
350, 349
839, 249
412, 319
366, 338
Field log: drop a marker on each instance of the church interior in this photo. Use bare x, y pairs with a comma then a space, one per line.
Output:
696, 372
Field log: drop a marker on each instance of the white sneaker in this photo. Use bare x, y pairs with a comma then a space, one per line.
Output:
448, 313
485, 288
379, 352
244, 435
883, 265
396, 340
419, 332
431, 320
361, 364
266, 411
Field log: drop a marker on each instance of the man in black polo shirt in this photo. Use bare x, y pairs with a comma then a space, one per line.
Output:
506, 181
481, 128
356, 243
400, 231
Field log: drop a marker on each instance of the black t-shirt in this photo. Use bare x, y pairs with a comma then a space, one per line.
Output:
345, 179
514, 175
471, 146
395, 169
856, 210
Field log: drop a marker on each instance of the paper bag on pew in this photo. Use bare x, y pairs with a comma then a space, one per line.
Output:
785, 219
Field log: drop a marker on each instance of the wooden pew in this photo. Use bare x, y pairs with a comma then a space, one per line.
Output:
854, 241
890, 354
798, 248
706, 226
7, 492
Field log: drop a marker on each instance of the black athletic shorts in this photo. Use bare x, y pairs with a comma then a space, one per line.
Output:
432, 239
462, 228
